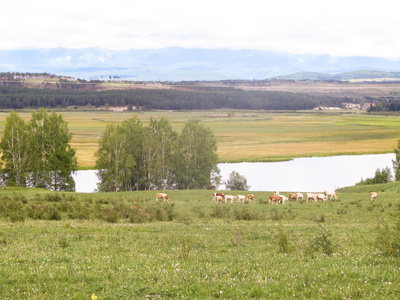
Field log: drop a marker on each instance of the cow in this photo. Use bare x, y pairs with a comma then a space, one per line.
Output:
219, 199
322, 197
284, 199
331, 194
218, 194
293, 197
162, 196
276, 193
250, 197
373, 195
229, 197
300, 196
276, 198
241, 198
312, 196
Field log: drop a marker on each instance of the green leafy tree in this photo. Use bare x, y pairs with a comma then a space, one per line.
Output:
61, 159
159, 151
133, 157
396, 162
14, 146
195, 158
38, 154
381, 176
236, 182
119, 157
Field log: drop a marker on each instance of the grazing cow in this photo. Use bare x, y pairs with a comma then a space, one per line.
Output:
218, 194
241, 198
293, 197
275, 198
162, 196
284, 199
250, 197
300, 196
276, 193
373, 195
322, 197
219, 199
229, 197
330, 195
311, 196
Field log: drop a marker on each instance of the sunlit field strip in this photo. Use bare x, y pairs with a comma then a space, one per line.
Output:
250, 135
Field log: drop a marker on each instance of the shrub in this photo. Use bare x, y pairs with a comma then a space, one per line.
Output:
388, 239
244, 213
283, 241
322, 242
220, 211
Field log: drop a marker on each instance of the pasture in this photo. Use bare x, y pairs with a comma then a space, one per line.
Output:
251, 135
126, 245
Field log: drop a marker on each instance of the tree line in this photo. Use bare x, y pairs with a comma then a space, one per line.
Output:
16, 97
134, 157
37, 153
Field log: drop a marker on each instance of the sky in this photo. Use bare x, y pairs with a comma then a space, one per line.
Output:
337, 28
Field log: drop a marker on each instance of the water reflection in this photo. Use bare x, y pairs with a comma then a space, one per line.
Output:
301, 174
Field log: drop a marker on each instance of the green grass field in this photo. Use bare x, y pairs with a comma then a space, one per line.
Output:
252, 135
127, 246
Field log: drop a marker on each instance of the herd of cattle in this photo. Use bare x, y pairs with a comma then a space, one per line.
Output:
276, 197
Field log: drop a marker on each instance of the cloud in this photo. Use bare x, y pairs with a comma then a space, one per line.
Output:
337, 28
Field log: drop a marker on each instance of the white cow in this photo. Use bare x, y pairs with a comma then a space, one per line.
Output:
241, 198
284, 198
373, 195
219, 199
331, 194
322, 197
299, 196
230, 197
311, 196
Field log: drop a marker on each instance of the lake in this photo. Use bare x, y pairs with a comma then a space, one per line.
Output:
308, 174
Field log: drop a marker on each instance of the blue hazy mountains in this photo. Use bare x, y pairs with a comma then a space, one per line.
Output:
175, 64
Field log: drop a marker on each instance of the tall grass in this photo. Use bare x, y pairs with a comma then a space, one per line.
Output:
126, 246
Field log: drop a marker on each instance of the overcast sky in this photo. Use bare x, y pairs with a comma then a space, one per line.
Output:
337, 28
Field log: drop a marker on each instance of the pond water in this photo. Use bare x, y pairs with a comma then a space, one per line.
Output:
313, 174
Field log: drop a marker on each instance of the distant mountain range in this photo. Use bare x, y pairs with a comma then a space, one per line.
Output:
177, 64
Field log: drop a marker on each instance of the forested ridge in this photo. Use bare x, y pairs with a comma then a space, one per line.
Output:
16, 97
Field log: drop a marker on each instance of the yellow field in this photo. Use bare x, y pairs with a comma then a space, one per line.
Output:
252, 135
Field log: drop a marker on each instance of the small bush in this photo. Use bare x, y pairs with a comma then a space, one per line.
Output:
244, 213
220, 211
185, 248
237, 238
320, 218
388, 239
283, 241
322, 242
274, 215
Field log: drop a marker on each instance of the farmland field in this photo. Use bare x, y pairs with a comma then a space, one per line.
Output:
126, 246
252, 135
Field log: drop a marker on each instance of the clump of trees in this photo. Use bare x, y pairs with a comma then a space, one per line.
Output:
236, 182
155, 157
381, 176
37, 153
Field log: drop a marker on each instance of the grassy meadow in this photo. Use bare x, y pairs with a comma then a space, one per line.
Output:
251, 135
127, 246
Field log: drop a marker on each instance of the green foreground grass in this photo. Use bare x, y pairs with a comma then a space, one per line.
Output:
126, 246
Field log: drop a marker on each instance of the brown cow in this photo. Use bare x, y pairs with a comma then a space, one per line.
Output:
276, 198
250, 197
293, 197
162, 196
